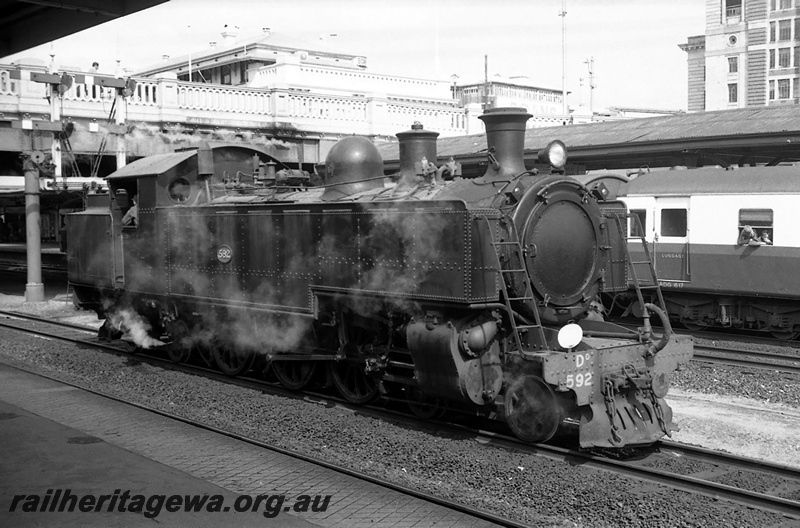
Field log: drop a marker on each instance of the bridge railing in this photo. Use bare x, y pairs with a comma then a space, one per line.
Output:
156, 100
224, 99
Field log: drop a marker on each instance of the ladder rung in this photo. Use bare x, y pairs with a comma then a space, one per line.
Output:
519, 253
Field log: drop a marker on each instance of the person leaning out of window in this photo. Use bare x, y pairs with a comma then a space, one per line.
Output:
749, 237
131, 217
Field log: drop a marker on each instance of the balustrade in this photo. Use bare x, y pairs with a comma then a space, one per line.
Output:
90, 93
238, 105
8, 86
327, 108
449, 120
145, 93
221, 99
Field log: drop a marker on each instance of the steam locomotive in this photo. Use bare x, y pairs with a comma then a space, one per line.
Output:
425, 286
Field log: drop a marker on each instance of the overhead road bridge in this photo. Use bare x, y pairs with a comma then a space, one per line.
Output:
25, 24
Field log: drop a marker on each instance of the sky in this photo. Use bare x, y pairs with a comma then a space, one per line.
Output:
634, 43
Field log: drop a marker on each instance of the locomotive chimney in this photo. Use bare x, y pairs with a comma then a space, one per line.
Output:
505, 136
415, 144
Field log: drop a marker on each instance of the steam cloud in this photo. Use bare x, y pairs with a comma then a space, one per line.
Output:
166, 140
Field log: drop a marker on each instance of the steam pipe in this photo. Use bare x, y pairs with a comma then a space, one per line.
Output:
606, 175
656, 347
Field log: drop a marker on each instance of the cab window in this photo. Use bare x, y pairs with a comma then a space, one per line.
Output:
638, 222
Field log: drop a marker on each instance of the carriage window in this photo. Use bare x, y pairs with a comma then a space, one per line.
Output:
638, 222
673, 222
760, 220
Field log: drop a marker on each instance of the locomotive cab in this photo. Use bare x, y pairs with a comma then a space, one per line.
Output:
118, 250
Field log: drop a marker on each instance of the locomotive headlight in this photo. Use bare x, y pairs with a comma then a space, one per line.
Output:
570, 336
555, 153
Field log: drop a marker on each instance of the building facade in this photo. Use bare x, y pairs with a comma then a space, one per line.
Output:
544, 104
749, 55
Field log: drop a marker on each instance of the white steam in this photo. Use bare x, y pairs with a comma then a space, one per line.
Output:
136, 327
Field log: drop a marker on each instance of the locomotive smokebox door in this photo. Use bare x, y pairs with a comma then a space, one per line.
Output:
560, 233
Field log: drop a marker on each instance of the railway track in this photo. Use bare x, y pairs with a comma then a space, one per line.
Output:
747, 358
731, 355
721, 475
718, 466
742, 337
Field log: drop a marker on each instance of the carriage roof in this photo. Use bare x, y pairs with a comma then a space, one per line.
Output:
715, 180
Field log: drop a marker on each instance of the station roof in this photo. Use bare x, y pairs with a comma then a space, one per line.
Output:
748, 135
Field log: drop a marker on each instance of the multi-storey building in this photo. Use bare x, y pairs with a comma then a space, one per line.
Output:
545, 104
749, 55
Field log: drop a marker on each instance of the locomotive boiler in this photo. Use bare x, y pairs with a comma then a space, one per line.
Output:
432, 288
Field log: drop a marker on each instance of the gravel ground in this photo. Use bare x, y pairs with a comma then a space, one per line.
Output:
534, 490
764, 385
751, 412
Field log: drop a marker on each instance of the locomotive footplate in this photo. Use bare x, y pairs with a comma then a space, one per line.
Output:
619, 394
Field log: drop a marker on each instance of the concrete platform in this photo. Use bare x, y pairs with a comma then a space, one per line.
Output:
13, 257
42, 459
56, 437
13, 286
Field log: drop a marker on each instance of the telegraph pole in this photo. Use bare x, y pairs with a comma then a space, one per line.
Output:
485, 83
190, 53
563, 15
590, 62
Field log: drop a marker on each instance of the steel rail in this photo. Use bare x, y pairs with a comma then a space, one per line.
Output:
750, 464
685, 483
757, 359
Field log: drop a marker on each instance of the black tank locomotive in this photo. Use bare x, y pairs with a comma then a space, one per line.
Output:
473, 293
